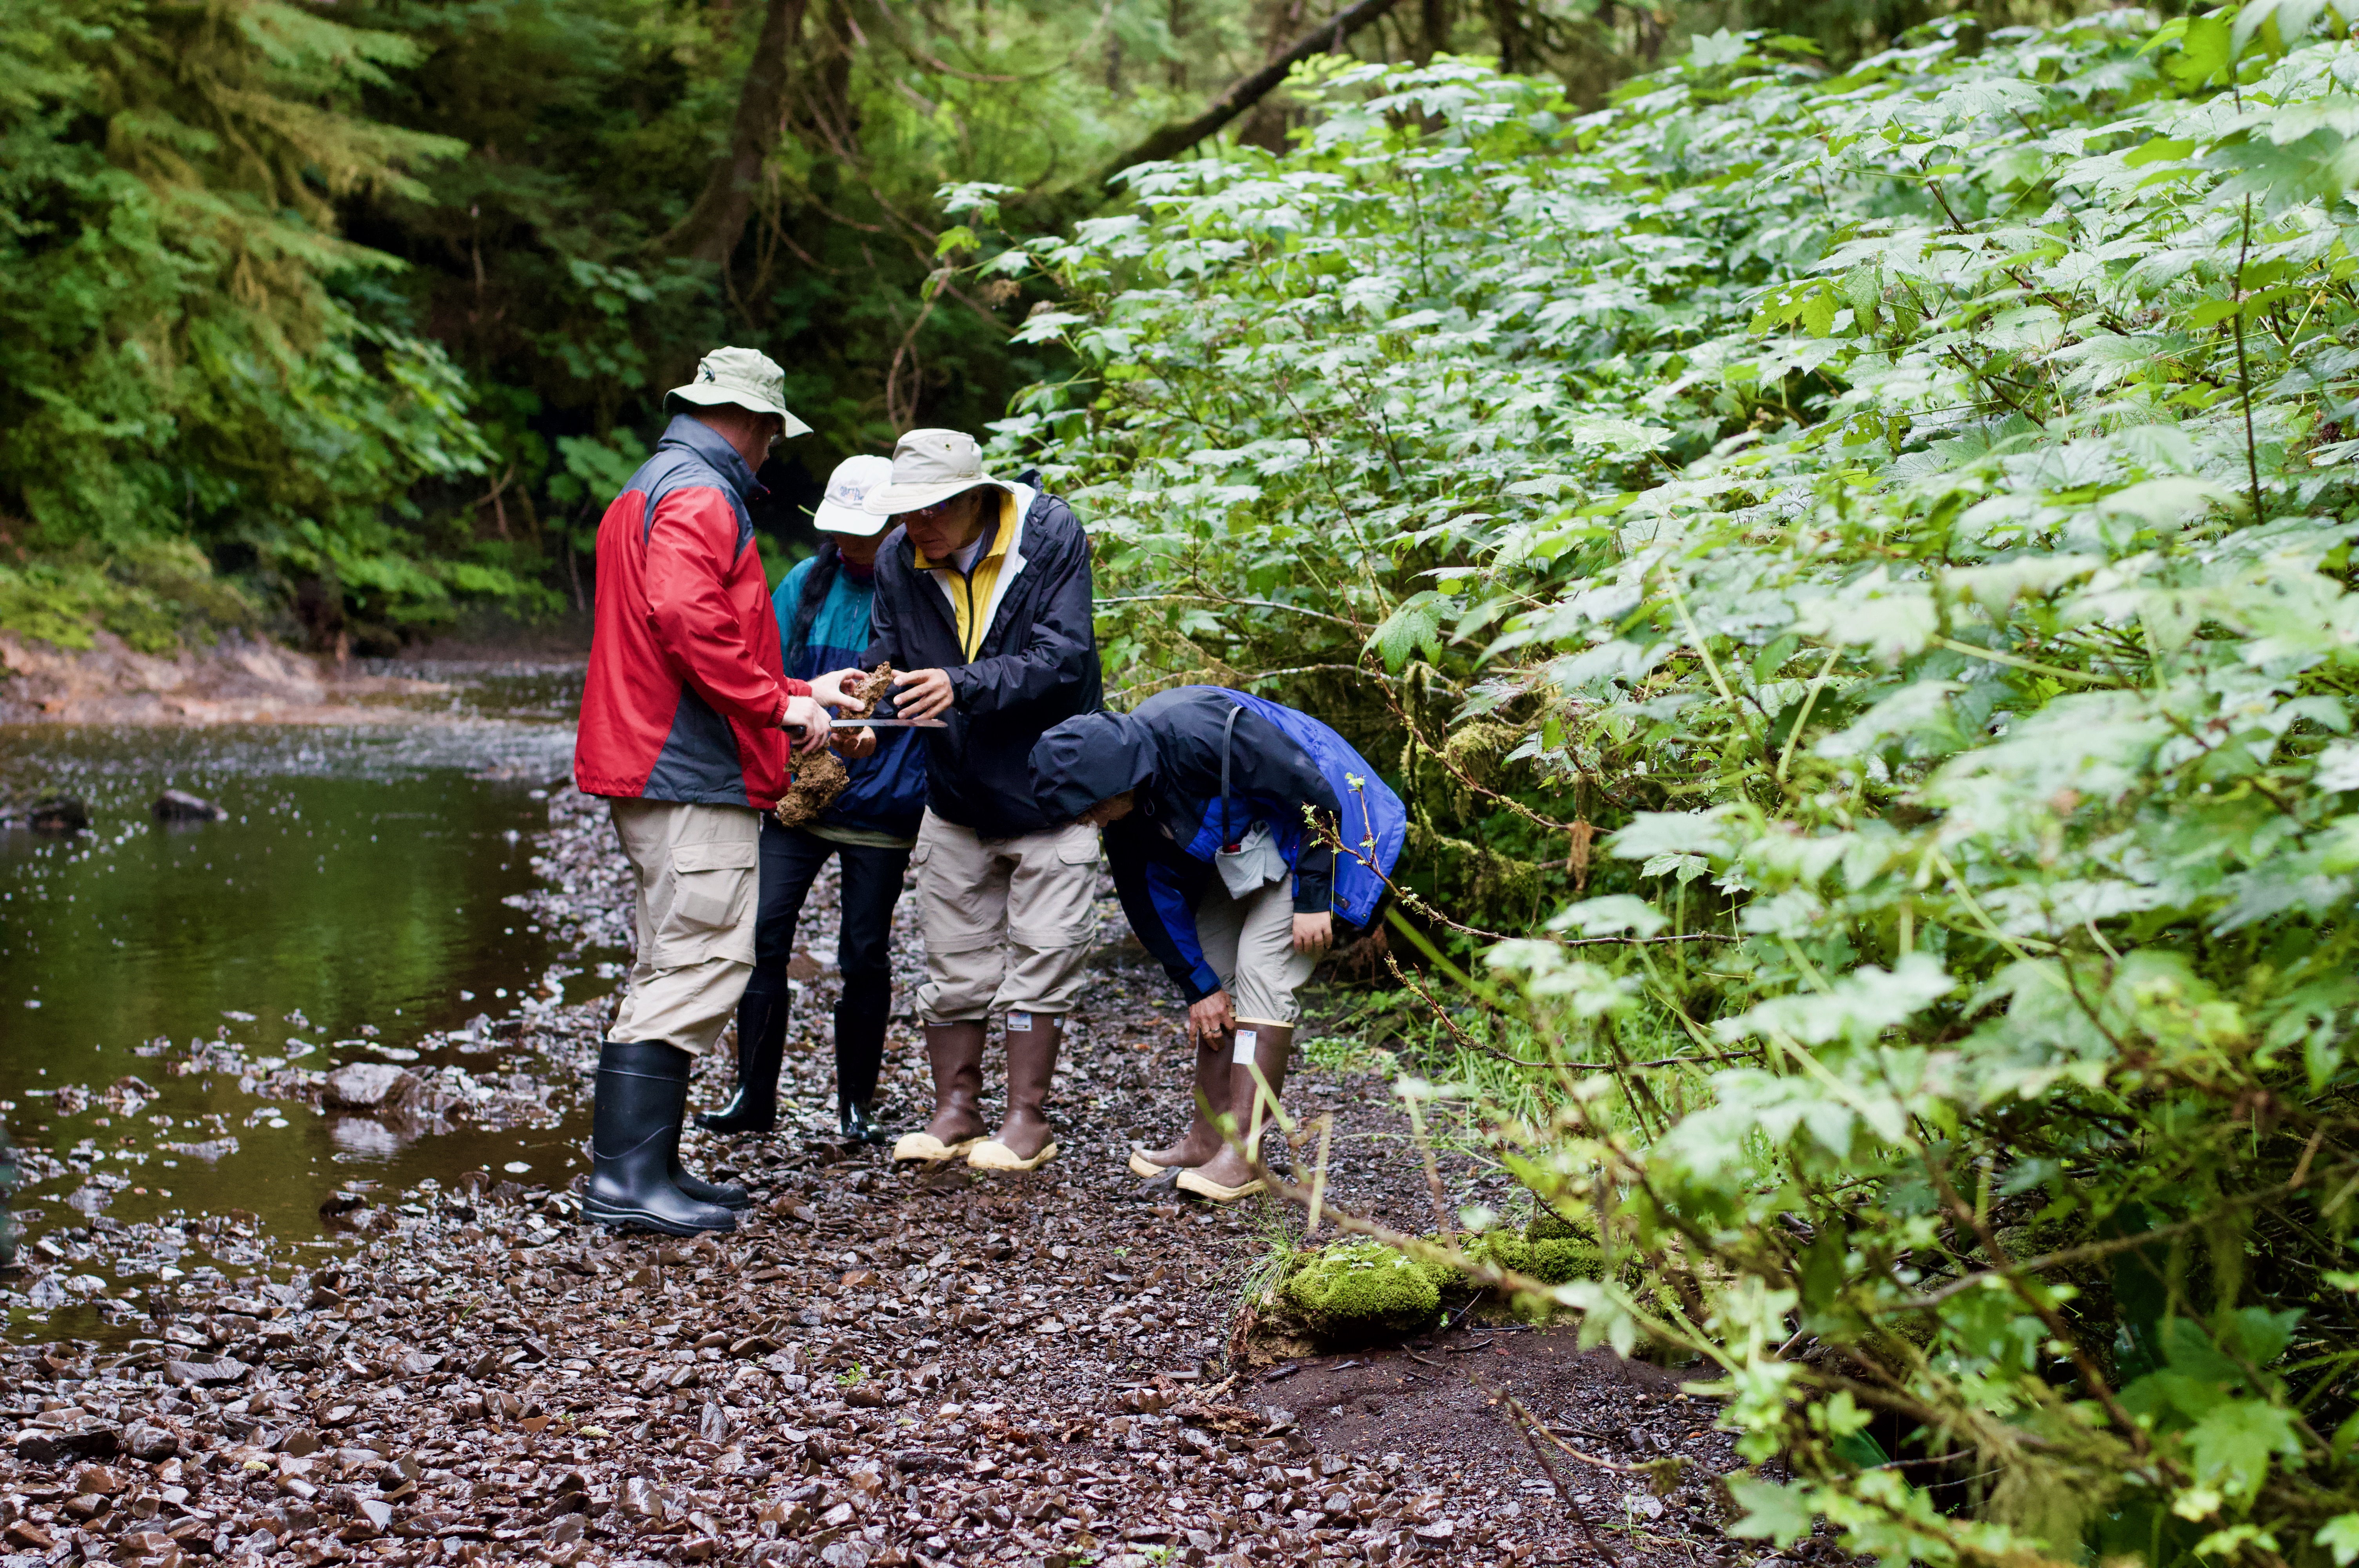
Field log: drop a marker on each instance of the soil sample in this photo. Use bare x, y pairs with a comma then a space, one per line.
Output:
868, 690
819, 778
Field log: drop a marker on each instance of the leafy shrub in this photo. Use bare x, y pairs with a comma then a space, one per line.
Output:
1906, 517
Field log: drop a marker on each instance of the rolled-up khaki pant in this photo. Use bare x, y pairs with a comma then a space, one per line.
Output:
697, 870
1249, 942
1007, 922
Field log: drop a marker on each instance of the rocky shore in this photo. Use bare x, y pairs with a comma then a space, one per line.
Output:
238, 680
879, 1369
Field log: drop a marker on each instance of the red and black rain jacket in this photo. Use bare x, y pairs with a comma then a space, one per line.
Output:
683, 696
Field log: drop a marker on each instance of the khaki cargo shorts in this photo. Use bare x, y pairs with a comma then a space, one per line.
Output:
698, 871
1249, 942
1007, 922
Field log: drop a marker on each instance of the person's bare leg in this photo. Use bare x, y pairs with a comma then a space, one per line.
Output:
1273, 1047
1211, 1088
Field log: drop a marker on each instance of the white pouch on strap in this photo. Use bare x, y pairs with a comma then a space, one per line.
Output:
1251, 861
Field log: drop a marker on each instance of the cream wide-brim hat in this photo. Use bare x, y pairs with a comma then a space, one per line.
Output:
928, 468
747, 378
844, 509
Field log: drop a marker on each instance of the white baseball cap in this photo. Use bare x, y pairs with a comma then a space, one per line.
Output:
746, 377
844, 509
930, 467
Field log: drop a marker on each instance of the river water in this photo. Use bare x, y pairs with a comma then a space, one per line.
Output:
354, 901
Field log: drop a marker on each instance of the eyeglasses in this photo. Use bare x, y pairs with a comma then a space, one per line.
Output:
940, 508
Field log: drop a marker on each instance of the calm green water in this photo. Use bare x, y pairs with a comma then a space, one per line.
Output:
357, 885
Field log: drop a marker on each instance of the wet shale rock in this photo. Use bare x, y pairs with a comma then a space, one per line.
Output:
369, 1085
56, 816
178, 805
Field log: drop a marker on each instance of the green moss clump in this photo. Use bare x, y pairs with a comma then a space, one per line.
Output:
1357, 1289
1547, 1225
1555, 1260
1564, 1258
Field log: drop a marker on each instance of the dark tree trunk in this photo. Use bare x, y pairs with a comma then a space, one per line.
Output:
710, 231
1434, 33
1245, 94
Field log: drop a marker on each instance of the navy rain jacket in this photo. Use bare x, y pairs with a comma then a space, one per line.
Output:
1169, 751
1036, 665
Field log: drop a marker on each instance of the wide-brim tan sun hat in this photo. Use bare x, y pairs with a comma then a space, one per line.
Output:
746, 377
843, 509
928, 468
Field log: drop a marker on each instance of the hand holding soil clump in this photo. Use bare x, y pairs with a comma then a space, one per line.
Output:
868, 690
823, 777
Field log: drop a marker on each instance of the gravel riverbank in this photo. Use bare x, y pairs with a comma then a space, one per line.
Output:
880, 1369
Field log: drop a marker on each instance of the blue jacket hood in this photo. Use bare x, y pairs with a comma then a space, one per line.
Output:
1090, 758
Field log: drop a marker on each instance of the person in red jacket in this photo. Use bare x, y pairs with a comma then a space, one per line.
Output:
685, 727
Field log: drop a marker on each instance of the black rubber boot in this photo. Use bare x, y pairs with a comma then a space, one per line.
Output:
726, 1195
761, 1046
635, 1122
859, 1020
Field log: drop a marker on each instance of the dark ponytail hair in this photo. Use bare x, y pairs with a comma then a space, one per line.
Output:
824, 567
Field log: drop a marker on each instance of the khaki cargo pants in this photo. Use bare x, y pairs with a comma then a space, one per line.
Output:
1007, 922
697, 870
1249, 942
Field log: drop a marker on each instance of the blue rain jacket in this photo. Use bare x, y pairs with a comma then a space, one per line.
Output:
1168, 750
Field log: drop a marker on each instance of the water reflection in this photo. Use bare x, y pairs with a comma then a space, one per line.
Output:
351, 906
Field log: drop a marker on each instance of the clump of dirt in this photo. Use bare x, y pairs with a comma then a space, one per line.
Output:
818, 779
872, 688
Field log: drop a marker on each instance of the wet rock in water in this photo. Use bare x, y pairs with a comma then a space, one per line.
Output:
368, 1085
210, 1150
179, 806
57, 815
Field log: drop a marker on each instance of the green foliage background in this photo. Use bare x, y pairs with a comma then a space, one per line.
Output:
338, 318
1902, 518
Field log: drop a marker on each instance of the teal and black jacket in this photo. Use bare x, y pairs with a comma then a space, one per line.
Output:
888, 792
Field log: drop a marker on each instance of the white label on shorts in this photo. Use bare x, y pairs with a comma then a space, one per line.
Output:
1248, 1042
1019, 1021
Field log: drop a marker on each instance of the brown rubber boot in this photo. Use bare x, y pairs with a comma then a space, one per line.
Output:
1024, 1143
955, 1052
1202, 1140
1226, 1176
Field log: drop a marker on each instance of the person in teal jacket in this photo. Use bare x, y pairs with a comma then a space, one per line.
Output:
822, 609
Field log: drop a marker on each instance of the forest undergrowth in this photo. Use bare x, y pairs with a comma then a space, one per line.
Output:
1871, 549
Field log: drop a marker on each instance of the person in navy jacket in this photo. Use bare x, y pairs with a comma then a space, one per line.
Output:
684, 720
983, 606
822, 610
1208, 798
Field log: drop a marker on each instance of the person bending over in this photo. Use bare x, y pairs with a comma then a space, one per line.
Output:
983, 603
682, 730
1202, 795
822, 615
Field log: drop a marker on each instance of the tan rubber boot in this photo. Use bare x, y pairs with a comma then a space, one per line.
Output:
1226, 1176
1024, 1143
1202, 1140
955, 1052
